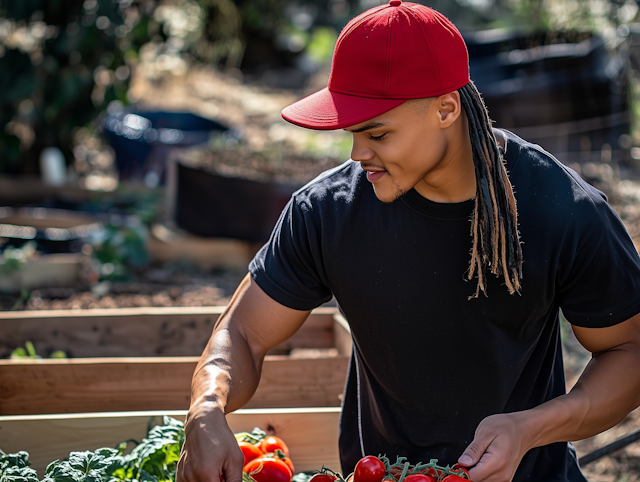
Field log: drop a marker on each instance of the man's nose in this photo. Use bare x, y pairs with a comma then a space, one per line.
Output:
360, 152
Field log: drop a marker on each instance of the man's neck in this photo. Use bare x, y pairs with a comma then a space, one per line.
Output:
454, 179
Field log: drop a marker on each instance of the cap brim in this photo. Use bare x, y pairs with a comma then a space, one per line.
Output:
326, 110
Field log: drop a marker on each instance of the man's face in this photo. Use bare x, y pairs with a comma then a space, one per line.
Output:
403, 148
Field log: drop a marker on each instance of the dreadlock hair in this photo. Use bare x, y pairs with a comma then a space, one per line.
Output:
494, 224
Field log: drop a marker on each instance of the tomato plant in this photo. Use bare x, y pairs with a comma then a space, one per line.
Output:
369, 469
268, 470
272, 443
250, 451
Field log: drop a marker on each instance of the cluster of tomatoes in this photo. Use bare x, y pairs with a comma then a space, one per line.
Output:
266, 457
379, 469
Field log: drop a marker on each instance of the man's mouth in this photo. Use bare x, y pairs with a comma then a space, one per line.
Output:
374, 173
373, 176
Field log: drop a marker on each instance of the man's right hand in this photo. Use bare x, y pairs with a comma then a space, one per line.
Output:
252, 324
210, 452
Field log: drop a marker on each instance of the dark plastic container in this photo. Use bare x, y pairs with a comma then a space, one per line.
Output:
569, 97
143, 140
216, 206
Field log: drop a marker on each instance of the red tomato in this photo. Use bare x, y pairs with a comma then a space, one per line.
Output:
436, 474
249, 451
420, 478
454, 478
284, 458
323, 478
273, 443
462, 471
268, 470
369, 469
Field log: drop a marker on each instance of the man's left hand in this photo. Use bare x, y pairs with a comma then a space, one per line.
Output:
496, 450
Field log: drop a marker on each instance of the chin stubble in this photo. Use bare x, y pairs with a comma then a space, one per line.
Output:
399, 192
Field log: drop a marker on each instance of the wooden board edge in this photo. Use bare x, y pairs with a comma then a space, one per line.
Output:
117, 312
160, 413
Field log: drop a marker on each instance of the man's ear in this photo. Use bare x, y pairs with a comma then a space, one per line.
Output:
449, 107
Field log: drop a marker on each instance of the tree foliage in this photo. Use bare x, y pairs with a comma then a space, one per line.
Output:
62, 62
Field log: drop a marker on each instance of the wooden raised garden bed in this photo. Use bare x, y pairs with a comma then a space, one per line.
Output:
143, 359
310, 433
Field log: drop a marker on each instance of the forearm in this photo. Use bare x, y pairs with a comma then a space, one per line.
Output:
228, 372
607, 391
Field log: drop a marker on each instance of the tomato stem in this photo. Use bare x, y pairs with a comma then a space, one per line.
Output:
404, 471
401, 468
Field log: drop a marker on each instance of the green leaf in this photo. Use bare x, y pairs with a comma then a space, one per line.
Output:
19, 474
51, 466
31, 349
147, 477
63, 472
92, 476
172, 422
172, 454
86, 461
19, 353
19, 459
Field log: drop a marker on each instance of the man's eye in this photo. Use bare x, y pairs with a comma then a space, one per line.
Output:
377, 138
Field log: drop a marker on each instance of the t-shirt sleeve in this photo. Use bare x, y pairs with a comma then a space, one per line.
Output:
289, 266
599, 284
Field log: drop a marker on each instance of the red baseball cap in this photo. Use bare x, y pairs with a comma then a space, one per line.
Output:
383, 57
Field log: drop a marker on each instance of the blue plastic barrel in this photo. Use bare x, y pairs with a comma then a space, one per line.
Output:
143, 140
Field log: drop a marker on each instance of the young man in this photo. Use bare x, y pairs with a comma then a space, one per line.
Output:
450, 282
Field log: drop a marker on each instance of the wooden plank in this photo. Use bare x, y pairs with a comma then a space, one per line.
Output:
342, 334
311, 434
167, 245
155, 383
134, 332
45, 270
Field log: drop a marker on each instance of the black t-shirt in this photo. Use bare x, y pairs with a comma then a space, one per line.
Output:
428, 362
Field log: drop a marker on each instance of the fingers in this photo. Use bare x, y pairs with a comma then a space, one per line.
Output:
232, 469
475, 450
181, 476
479, 455
189, 472
496, 450
209, 459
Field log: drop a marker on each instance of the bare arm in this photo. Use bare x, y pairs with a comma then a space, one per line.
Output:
608, 389
226, 378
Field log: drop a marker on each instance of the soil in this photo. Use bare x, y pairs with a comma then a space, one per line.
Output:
159, 286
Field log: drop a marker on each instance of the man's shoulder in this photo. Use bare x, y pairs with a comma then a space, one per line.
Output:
337, 185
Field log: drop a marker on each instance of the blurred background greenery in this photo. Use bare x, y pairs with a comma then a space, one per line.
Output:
62, 62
